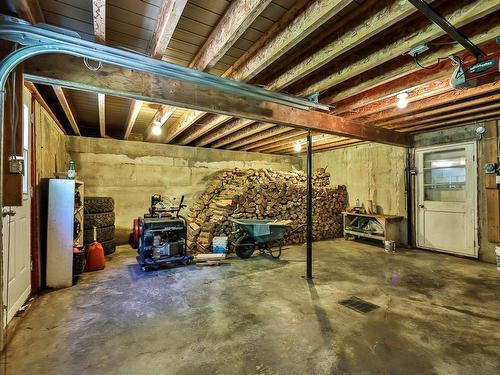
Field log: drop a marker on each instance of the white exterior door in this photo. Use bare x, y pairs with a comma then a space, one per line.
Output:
16, 232
446, 203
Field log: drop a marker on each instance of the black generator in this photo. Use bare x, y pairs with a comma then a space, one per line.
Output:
161, 235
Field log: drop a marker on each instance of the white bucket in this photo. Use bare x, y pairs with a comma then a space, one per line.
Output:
390, 246
497, 251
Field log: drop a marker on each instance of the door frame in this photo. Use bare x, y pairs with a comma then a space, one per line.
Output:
475, 202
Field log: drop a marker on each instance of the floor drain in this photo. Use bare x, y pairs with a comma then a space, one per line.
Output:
359, 305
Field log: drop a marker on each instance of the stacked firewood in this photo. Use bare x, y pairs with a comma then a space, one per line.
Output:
265, 194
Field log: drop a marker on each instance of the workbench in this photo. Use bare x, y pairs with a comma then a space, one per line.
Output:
391, 224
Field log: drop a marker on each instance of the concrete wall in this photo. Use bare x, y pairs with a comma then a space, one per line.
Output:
377, 172
370, 171
462, 134
131, 172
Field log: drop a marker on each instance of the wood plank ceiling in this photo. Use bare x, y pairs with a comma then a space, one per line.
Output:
353, 52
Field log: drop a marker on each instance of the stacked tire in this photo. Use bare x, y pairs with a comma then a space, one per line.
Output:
99, 213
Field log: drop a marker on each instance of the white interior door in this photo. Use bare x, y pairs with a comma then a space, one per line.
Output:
16, 232
446, 204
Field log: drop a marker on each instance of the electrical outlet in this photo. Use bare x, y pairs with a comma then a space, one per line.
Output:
497, 179
490, 168
16, 165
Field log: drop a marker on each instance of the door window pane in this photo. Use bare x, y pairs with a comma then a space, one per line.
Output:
444, 176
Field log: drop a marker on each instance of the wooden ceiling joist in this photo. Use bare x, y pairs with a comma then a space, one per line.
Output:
438, 105
133, 112
101, 103
286, 139
377, 23
99, 21
239, 15
237, 18
67, 71
476, 118
243, 133
263, 134
67, 108
458, 114
292, 28
166, 22
464, 15
226, 129
39, 98
486, 35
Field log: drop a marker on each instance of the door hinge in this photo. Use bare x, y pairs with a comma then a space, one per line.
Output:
31, 264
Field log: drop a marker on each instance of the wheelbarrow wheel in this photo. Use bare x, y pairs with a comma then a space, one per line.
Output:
275, 252
242, 248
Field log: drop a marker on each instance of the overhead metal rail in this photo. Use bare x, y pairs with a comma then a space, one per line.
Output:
447, 27
44, 39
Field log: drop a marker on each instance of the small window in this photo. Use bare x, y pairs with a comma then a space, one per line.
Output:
444, 176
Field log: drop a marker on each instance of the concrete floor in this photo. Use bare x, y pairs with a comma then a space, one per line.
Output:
438, 314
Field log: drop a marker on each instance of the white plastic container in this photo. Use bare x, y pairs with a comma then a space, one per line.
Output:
497, 251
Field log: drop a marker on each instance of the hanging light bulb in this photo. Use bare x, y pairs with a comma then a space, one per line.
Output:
297, 147
156, 129
402, 100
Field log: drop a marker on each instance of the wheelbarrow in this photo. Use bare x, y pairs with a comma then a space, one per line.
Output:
258, 233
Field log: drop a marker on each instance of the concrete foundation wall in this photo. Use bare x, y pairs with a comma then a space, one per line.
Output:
131, 172
370, 171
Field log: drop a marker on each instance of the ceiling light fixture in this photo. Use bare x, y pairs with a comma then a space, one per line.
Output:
156, 129
297, 147
402, 100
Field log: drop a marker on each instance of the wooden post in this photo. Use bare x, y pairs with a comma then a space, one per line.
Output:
490, 155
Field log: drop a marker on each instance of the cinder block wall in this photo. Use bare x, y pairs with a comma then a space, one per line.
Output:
131, 172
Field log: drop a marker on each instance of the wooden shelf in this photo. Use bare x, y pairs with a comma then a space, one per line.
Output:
390, 223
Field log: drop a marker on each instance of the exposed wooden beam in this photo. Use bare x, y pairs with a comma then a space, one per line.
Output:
459, 113
200, 128
287, 138
99, 20
39, 98
402, 73
272, 132
239, 15
67, 108
422, 82
464, 15
377, 23
67, 71
447, 98
236, 20
228, 128
29, 10
495, 114
438, 105
101, 102
245, 132
415, 94
166, 22
133, 112
295, 25
317, 13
